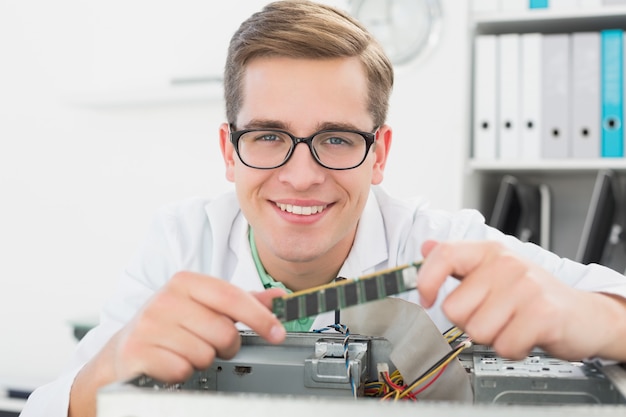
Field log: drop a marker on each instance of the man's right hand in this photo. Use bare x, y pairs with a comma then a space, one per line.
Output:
185, 326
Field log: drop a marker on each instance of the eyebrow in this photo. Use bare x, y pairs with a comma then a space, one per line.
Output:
277, 124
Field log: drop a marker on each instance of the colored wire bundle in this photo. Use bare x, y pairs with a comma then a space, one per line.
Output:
385, 384
434, 371
393, 386
452, 334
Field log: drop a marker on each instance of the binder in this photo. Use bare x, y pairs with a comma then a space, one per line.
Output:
613, 2
612, 139
513, 5
589, 3
562, 4
538, 4
555, 96
530, 114
485, 77
485, 5
508, 115
586, 95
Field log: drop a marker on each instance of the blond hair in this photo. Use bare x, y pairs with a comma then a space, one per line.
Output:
305, 29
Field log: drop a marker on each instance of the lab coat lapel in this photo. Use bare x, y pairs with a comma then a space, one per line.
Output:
231, 257
245, 274
370, 244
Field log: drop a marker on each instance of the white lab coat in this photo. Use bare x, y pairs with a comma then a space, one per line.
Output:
211, 237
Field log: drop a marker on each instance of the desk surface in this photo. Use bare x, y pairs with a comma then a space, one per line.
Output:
117, 402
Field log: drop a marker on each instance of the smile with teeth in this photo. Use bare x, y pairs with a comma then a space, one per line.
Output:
303, 210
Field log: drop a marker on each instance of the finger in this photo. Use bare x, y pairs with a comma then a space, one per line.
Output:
480, 310
517, 338
171, 313
146, 338
483, 301
193, 348
428, 246
166, 366
447, 259
234, 302
464, 301
171, 322
216, 334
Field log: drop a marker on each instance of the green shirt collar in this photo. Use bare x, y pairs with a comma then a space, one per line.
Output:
300, 325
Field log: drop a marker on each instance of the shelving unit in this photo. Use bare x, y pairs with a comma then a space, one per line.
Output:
549, 165
549, 21
571, 180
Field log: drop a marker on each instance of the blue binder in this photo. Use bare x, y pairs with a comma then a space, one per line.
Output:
538, 4
612, 91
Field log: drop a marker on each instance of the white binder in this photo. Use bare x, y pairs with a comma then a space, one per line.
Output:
479, 6
589, 3
508, 115
562, 4
555, 96
586, 95
485, 81
513, 5
531, 122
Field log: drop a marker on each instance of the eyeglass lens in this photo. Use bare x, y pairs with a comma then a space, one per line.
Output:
334, 149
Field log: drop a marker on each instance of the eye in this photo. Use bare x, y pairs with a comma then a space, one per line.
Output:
267, 137
337, 139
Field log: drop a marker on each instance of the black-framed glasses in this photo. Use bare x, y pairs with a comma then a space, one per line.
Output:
272, 148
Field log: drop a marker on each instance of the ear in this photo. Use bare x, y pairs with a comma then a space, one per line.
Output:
381, 150
228, 152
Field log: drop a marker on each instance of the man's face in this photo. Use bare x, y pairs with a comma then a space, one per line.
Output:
301, 211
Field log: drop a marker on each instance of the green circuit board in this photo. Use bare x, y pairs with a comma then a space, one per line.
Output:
344, 293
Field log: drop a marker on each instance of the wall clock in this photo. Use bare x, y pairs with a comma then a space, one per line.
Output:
406, 29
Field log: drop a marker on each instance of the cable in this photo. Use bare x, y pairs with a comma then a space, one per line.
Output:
439, 366
452, 334
392, 385
416, 393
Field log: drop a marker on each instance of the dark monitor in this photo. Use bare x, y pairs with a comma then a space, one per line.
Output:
506, 209
517, 210
600, 220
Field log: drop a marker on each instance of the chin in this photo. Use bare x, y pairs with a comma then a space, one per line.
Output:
297, 256
297, 252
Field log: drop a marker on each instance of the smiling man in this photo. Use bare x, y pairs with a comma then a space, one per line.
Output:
304, 202
305, 143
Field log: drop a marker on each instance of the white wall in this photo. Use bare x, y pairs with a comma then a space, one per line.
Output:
80, 182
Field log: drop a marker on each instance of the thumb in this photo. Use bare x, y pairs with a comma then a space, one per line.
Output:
428, 247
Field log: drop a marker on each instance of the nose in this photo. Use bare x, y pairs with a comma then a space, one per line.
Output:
301, 171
